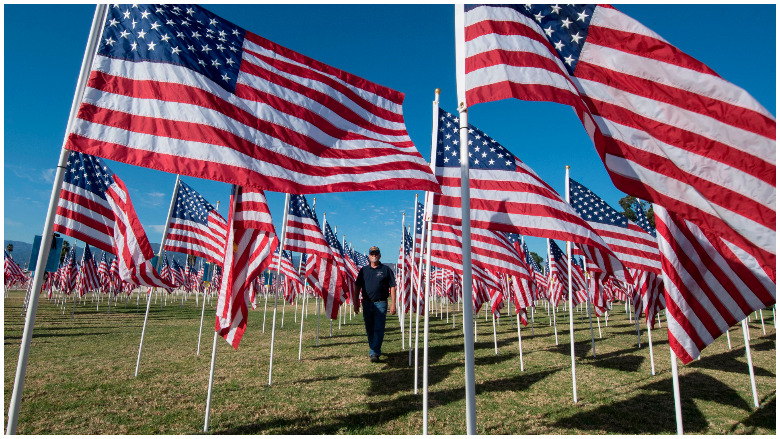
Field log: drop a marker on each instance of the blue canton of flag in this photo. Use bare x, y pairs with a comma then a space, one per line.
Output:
592, 208
333, 242
484, 152
89, 173
420, 219
531, 261
300, 208
407, 242
557, 253
191, 206
566, 27
186, 35
641, 218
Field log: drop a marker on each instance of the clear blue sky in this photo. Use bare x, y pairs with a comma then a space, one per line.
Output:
409, 48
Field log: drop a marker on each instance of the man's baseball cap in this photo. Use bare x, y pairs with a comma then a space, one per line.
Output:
374, 249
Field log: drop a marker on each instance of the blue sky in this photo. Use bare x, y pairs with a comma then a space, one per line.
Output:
409, 48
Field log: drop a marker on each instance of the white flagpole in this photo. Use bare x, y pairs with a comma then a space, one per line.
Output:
202, 313
303, 310
750, 363
650, 343
427, 291
676, 391
316, 298
495, 337
588, 300
48, 227
417, 298
276, 290
159, 257
571, 308
211, 382
468, 311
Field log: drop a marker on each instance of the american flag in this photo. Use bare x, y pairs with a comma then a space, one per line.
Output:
95, 207
304, 234
496, 303
506, 195
709, 284
251, 241
557, 273
165, 271
116, 280
490, 251
667, 127
347, 283
177, 273
13, 272
293, 284
181, 90
196, 228
632, 244
419, 225
103, 274
69, 272
88, 278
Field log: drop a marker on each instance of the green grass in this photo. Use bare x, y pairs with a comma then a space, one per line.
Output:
80, 377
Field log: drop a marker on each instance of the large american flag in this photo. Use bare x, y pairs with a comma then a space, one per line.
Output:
632, 244
557, 274
506, 194
95, 207
251, 241
179, 89
709, 284
667, 127
196, 228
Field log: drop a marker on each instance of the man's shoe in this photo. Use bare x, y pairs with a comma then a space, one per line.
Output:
374, 358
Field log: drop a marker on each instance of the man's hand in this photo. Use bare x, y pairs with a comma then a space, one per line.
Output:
356, 307
392, 308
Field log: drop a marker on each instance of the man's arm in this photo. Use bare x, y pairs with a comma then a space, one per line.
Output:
392, 300
359, 283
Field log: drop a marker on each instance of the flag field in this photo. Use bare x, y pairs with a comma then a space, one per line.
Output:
80, 376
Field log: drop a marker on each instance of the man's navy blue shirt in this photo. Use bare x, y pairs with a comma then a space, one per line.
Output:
375, 282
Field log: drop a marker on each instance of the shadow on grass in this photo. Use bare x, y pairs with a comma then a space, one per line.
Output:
376, 414
652, 411
762, 417
733, 361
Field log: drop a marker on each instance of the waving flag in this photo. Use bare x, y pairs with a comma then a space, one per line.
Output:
179, 89
293, 284
506, 195
13, 272
631, 243
69, 272
304, 234
88, 279
94, 207
196, 228
177, 273
667, 127
709, 284
251, 241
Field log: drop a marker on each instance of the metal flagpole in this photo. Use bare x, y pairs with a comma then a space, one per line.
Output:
211, 382
495, 337
316, 298
414, 255
276, 290
750, 363
303, 309
588, 301
427, 291
468, 311
200, 331
159, 253
676, 391
571, 308
48, 227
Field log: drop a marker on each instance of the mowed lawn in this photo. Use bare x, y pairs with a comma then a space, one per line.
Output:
80, 376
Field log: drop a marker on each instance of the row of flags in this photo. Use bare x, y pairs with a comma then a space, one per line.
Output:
248, 111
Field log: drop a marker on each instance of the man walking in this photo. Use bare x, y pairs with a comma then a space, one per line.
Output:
377, 283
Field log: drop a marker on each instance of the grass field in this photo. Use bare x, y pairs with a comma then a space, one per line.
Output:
80, 377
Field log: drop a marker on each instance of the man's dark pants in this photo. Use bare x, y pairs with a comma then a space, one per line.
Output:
374, 316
